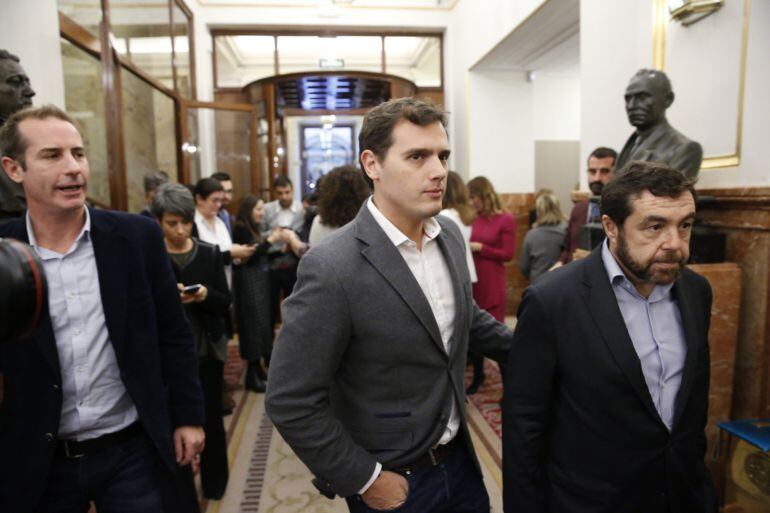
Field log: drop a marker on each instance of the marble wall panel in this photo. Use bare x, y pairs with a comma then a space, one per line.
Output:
744, 215
519, 204
726, 285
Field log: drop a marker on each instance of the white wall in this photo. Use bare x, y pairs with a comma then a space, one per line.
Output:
35, 40
556, 108
501, 120
475, 28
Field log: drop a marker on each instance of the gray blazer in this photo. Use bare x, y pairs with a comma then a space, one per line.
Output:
666, 145
359, 373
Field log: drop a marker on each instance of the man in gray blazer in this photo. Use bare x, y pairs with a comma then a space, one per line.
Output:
366, 379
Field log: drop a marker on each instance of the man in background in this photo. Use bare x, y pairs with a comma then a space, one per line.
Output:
283, 212
151, 182
601, 167
227, 187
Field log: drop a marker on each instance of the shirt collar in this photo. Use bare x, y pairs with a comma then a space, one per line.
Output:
618, 277
430, 227
84, 233
294, 207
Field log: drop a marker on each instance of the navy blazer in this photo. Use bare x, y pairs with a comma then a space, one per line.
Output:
153, 344
580, 431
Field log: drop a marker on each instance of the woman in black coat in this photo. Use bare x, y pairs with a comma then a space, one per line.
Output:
251, 288
206, 298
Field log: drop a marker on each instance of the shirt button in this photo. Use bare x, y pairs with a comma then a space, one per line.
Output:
77, 332
49, 437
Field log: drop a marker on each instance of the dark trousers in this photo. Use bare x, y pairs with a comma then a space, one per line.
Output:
454, 486
281, 281
123, 478
214, 473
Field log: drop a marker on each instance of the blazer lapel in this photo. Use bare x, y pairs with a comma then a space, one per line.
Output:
601, 302
691, 339
111, 254
385, 258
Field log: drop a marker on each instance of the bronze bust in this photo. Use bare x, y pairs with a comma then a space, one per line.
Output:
15, 94
647, 97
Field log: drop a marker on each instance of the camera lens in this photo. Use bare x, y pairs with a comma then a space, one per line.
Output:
23, 293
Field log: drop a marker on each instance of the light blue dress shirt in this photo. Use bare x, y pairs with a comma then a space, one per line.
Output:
95, 401
655, 327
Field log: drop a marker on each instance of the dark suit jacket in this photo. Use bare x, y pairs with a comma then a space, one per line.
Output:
153, 345
577, 219
373, 381
580, 431
207, 267
664, 144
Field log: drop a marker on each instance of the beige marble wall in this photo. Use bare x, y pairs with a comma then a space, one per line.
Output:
84, 102
149, 135
519, 204
744, 215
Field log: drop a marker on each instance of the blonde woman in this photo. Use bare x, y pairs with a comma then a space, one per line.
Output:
457, 207
543, 243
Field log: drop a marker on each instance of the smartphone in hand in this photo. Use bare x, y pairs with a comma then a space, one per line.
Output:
191, 289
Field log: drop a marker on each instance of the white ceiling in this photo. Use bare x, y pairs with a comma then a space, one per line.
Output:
547, 42
373, 4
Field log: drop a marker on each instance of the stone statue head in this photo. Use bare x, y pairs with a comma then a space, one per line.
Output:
15, 91
648, 95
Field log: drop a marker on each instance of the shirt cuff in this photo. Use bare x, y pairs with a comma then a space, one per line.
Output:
375, 475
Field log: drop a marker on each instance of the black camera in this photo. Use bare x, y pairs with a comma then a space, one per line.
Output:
23, 290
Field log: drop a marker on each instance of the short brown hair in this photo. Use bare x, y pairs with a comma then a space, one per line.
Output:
12, 144
635, 178
377, 130
482, 188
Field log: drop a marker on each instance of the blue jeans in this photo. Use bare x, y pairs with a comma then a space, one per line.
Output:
123, 478
454, 486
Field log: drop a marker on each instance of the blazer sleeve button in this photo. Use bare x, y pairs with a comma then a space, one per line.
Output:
49, 437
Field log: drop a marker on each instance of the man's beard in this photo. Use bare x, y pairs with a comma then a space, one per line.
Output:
596, 188
644, 273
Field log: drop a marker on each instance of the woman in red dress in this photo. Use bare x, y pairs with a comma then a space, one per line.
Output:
493, 242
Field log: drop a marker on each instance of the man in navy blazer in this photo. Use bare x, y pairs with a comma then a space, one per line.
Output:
607, 389
93, 394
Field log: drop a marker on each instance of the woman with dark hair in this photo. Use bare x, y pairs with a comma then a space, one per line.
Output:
457, 207
209, 227
493, 242
206, 298
340, 196
251, 287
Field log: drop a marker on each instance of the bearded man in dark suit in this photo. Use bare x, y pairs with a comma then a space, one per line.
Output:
607, 389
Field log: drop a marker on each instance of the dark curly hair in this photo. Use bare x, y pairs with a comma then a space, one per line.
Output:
340, 195
635, 178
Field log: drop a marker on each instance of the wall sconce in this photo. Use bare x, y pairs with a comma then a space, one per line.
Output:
688, 12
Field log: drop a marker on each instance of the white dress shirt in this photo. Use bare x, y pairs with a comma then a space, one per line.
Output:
219, 236
95, 401
432, 274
